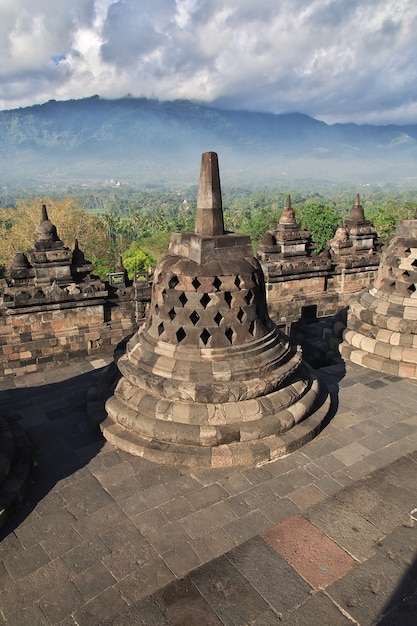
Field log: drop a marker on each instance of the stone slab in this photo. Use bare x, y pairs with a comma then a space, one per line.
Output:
270, 574
229, 593
310, 552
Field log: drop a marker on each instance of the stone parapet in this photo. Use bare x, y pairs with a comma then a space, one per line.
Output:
38, 337
292, 297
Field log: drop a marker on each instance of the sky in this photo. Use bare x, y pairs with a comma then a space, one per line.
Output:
336, 60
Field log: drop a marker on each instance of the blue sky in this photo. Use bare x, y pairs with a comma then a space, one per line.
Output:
336, 60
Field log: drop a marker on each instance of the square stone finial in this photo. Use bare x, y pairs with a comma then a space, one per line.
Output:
209, 215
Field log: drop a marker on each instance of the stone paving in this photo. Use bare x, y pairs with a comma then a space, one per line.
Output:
326, 535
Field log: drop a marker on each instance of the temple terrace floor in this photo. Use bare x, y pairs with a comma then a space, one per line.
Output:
326, 535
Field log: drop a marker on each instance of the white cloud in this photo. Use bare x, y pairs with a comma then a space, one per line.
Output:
332, 59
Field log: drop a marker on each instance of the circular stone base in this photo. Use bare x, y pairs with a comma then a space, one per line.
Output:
256, 452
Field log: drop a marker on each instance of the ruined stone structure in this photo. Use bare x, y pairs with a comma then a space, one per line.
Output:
355, 243
209, 380
381, 330
55, 308
301, 284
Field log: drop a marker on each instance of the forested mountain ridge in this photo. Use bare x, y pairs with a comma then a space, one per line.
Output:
140, 141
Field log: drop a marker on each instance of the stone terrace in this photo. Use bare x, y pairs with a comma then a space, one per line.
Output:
100, 530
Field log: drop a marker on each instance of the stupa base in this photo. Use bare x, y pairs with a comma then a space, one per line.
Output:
241, 453
380, 334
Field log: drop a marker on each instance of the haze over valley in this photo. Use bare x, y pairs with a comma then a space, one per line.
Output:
141, 142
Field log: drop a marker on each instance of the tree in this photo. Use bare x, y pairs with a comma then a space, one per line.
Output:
256, 223
320, 219
136, 260
385, 218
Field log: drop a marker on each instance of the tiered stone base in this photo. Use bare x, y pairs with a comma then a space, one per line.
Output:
381, 333
15, 467
238, 453
206, 434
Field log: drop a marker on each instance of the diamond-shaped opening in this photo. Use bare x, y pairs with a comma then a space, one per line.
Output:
392, 287
205, 300
406, 274
164, 294
411, 288
196, 283
194, 317
238, 282
240, 315
173, 282
156, 308
205, 336
172, 314
218, 318
407, 252
183, 299
251, 328
249, 297
229, 334
228, 297
414, 263
160, 329
181, 334
217, 282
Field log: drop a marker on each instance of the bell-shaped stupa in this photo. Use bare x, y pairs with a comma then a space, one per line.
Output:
381, 328
209, 380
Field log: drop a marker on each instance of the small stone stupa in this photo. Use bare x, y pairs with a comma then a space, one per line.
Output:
50, 259
289, 247
209, 380
355, 243
381, 330
51, 272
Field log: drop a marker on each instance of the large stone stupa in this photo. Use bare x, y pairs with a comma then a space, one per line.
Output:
209, 380
381, 330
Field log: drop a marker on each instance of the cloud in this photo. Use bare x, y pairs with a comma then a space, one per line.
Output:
335, 60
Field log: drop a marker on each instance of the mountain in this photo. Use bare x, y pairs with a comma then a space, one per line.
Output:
142, 141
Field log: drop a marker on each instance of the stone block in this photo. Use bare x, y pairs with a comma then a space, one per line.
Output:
407, 370
356, 340
393, 323
390, 367
382, 349
367, 344
372, 361
409, 355
406, 340
395, 339
397, 353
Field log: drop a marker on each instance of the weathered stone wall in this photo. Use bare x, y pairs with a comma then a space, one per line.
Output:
38, 337
291, 298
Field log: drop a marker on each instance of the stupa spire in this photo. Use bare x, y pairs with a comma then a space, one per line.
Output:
288, 216
209, 215
356, 212
44, 214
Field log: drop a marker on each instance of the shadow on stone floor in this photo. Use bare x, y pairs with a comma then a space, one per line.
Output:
63, 439
401, 608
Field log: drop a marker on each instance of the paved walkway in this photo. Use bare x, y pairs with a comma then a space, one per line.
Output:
325, 536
